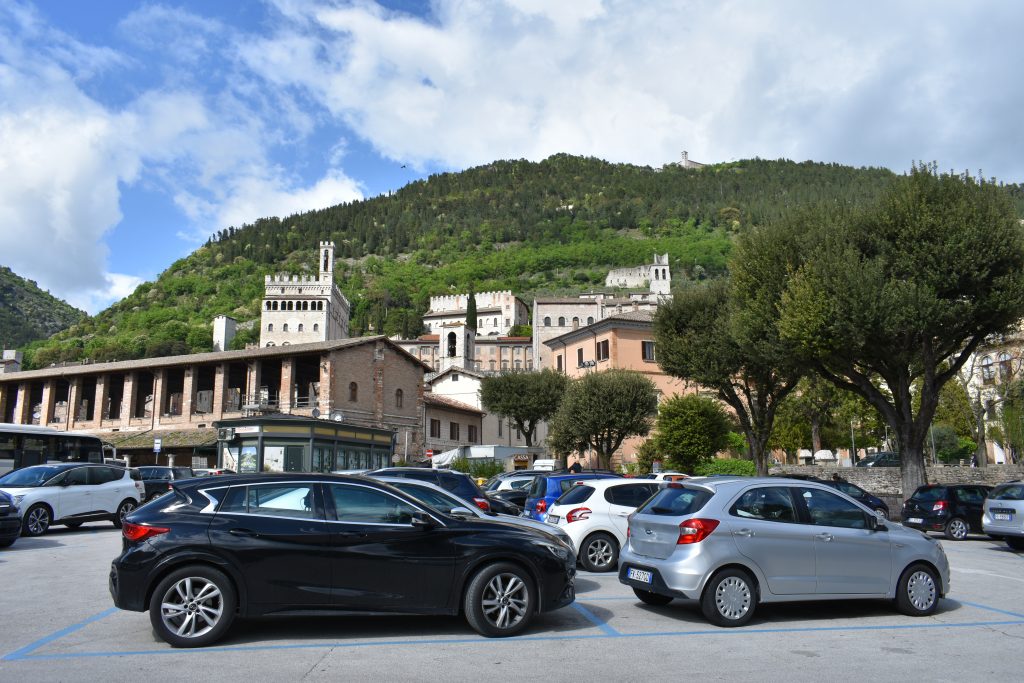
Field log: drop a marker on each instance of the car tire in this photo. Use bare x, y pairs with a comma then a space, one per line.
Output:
882, 511
37, 520
957, 529
729, 598
500, 600
917, 593
649, 598
193, 606
599, 552
123, 510
1015, 542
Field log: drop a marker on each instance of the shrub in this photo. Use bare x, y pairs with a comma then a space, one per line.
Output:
743, 468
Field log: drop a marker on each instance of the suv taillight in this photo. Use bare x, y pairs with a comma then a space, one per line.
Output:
482, 504
939, 505
138, 532
695, 530
542, 505
577, 515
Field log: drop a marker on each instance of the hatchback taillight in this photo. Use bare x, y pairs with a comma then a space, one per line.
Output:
542, 505
482, 504
939, 505
139, 532
577, 515
695, 530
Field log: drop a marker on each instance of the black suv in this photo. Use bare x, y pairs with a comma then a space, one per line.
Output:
157, 478
852, 490
10, 521
217, 548
459, 483
954, 509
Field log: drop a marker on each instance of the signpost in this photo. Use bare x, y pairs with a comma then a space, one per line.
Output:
430, 452
156, 446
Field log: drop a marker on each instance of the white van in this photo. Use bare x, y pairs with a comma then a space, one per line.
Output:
545, 465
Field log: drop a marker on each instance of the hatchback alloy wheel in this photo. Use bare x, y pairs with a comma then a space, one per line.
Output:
600, 553
500, 600
957, 529
37, 521
193, 606
505, 600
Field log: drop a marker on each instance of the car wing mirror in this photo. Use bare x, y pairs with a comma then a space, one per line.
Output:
461, 513
877, 523
421, 520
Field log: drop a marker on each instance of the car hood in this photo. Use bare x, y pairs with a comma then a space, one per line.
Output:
524, 524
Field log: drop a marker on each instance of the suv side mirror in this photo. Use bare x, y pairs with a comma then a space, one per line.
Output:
876, 522
421, 520
461, 513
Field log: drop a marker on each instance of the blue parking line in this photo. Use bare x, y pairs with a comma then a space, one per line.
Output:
25, 653
991, 609
596, 620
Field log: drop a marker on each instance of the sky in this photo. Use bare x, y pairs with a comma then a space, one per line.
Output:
130, 132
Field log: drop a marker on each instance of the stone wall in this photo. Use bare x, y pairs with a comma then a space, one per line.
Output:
885, 482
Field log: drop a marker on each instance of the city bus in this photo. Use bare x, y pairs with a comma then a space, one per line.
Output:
24, 445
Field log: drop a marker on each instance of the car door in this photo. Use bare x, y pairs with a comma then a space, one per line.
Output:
74, 494
276, 535
107, 489
850, 556
622, 502
379, 560
971, 500
766, 527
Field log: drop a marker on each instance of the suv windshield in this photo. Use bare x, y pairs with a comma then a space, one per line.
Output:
675, 500
1008, 492
29, 476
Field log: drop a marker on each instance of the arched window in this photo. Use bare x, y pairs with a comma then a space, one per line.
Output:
275, 306
353, 392
284, 328
590, 320
547, 321
399, 396
316, 327
270, 327
319, 305
305, 305
1005, 366
268, 305
575, 323
326, 260
270, 343
987, 371
300, 327
451, 345
561, 321
657, 274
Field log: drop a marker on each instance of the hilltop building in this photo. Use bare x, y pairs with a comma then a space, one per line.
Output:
655, 276
303, 309
496, 312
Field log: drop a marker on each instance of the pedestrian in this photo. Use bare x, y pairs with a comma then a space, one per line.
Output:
575, 468
974, 460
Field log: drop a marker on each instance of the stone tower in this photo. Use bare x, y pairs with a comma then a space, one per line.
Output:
457, 346
302, 309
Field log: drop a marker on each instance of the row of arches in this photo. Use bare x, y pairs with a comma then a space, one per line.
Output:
294, 306
301, 327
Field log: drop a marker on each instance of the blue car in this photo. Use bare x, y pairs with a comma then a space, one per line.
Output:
547, 488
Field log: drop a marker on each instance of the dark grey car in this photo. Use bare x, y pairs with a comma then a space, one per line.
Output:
731, 543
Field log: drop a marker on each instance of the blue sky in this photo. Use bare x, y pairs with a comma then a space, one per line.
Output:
131, 131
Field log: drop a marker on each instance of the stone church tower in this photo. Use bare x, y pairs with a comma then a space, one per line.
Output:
302, 309
457, 346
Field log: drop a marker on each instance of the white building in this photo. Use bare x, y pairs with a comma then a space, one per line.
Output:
496, 312
303, 309
654, 276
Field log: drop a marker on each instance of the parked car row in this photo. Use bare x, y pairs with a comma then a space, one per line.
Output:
1003, 514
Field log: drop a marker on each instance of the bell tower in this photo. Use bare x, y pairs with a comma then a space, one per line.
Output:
457, 346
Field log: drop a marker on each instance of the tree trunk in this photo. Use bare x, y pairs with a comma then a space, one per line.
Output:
981, 453
758, 452
911, 467
815, 434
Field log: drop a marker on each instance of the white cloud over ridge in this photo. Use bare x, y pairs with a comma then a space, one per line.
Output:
233, 123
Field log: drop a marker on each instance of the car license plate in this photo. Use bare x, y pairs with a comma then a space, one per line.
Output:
914, 520
638, 575
552, 519
1002, 516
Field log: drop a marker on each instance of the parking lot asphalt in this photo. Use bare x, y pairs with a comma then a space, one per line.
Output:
59, 624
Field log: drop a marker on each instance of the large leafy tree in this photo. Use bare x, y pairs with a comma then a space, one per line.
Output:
904, 292
723, 335
526, 398
689, 430
601, 410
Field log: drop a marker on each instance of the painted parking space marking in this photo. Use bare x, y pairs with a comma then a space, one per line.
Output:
29, 652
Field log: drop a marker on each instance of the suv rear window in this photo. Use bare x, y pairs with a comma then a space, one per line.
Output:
1008, 492
930, 494
675, 500
575, 495
183, 473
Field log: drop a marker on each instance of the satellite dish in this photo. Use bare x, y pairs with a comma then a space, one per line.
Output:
316, 412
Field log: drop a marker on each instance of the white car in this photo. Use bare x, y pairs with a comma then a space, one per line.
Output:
72, 493
595, 513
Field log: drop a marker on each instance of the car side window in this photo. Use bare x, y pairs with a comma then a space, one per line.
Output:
828, 509
104, 475
630, 495
849, 489
281, 500
431, 498
970, 495
360, 505
770, 503
78, 476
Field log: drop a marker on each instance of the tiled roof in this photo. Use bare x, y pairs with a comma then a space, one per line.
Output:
184, 438
445, 402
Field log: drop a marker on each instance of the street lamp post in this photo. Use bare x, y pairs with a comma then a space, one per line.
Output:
853, 446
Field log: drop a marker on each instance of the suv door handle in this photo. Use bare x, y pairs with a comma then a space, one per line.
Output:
743, 532
243, 532
824, 537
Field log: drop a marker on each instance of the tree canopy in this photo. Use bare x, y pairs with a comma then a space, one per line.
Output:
689, 430
526, 398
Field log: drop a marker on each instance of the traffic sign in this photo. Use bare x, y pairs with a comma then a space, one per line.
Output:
156, 445
430, 452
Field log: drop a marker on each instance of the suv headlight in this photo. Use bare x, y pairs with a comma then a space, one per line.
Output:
559, 551
18, 499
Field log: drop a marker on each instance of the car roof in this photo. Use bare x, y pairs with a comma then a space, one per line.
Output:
61, 466
608, 482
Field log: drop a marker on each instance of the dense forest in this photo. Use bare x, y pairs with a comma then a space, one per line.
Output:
27, 313
551, 227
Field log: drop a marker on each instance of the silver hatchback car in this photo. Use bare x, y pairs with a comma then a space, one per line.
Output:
731, 543
1004, 514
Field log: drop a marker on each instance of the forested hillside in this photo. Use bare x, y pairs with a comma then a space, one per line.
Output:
27, 313
555, 226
